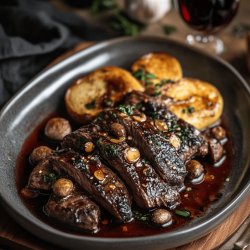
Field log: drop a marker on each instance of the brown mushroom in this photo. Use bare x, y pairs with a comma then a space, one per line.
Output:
161, 217
216, 150
63, 187
195, 169
57, 128
219, 133
39, 154
118, 130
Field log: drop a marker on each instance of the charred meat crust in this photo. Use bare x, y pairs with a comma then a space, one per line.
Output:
191, 139
148, 189
154, 146
97, 180
76, 210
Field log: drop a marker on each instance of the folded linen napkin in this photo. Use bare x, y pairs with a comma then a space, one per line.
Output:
32, 33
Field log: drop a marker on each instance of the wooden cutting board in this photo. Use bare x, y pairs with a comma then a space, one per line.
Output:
15, 237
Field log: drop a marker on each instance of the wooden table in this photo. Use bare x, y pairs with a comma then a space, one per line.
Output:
15, 237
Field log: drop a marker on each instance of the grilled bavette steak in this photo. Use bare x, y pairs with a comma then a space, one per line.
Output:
97, 180
189, 138
148, 190
76, 210
153, 145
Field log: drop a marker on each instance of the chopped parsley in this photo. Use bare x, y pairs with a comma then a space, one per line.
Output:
166, 81
109, 149
188, 110
169, 29
144, 217
144, 76
127, 109
98, 6
50, 177
241, 29
157, 90
91, 105
153, 114
124, 25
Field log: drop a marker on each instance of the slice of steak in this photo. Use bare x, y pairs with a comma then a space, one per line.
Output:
152, 144
148, 190
75, 210
97, 180
42, 176
187, 139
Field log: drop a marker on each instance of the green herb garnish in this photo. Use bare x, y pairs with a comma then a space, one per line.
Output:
188, 110
109, 149
127, 109
183, 213
49, 177
124, 25
141, 216
166, 81
153, 114
91, 105
144, 76
241, 29
98, 6
169, 29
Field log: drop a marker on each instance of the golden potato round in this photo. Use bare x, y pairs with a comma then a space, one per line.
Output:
197, 102
162, 65
87, 96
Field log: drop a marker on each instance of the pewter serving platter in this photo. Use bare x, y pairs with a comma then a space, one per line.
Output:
44, 95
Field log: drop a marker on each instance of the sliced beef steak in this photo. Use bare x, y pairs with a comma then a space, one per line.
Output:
187, 138
148, 190
153, 145
97, 180
76, 210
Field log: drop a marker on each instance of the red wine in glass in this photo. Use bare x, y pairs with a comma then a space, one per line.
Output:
208, 17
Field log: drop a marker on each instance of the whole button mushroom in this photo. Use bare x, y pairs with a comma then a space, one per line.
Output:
195, 169
161, 217
118, 130
57, 128
219, 133
63, 187
39, 154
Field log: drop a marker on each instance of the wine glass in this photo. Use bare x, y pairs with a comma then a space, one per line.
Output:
207, 17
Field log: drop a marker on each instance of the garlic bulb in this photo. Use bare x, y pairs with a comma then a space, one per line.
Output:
147, 11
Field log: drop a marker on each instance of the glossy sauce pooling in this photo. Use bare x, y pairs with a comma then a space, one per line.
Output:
196, 198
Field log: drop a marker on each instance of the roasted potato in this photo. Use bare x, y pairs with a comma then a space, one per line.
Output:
197, 102
101, 88
162, 65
